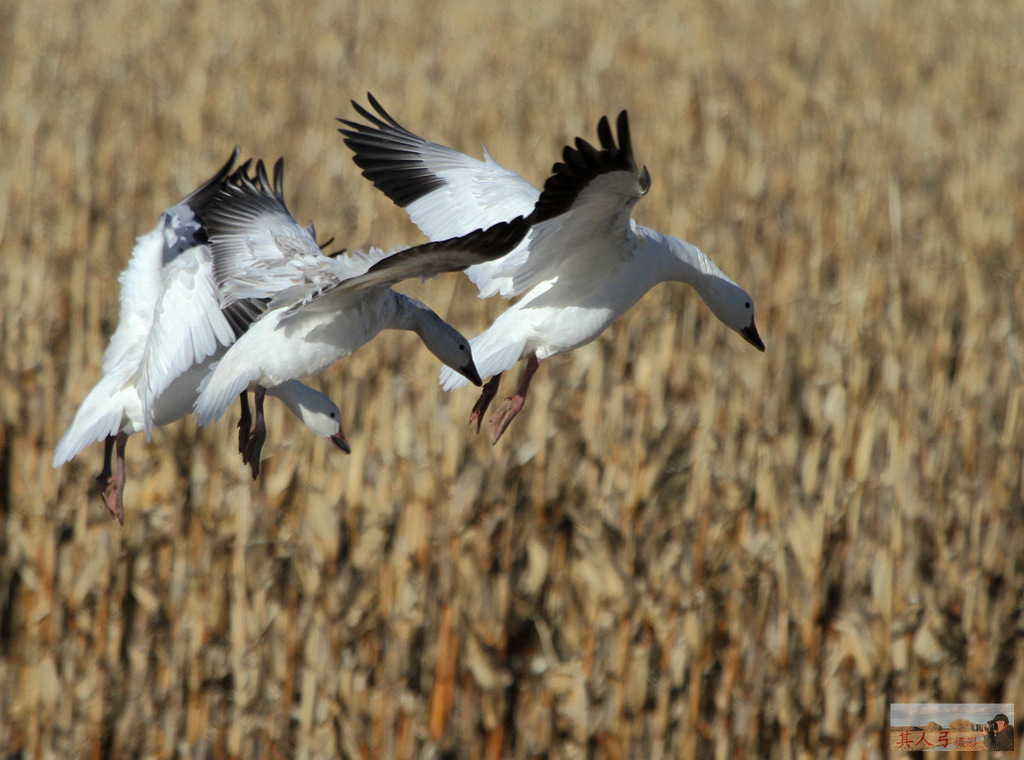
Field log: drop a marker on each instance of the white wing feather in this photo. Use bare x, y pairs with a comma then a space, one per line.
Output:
591, 236
189, 327
257, 255
140, 289
446, 193
102, 412
475, 195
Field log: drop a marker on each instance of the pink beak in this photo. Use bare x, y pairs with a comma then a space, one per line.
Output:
750, 335
339, 441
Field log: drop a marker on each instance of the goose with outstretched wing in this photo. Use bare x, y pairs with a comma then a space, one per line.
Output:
583, 264
321, 308
170, 331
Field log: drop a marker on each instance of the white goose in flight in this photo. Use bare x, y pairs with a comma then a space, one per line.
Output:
320, 308
584, 263
171, 329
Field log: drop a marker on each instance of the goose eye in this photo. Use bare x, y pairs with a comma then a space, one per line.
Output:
462, 346
748, 304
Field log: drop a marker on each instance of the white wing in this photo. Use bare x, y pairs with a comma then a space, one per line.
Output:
140, 289
142, 281
228, 377
188, 326
101, 414
446, 193
260, 251
581, 219
581, 223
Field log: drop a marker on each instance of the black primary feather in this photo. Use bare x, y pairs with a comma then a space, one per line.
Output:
199, 198
390, 156
584, 163
452, 255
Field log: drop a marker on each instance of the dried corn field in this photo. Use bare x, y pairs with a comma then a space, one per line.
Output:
682, 548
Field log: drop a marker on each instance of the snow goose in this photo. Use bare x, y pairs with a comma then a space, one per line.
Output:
170, 330
584, 263
320, 309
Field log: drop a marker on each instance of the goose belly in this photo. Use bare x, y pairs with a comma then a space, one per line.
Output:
557, 331
302, 347
564, 324
177, 401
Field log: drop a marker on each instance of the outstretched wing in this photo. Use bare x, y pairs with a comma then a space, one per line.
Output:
142, 283
581, 221
259, 250
431, 259
188, 325
446, 193
592, 192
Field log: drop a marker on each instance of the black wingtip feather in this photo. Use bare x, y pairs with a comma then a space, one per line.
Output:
625, 144
604, 134
198, 199
261, 177
279, 179
246, 185
363, 113
388, 120
389, 154
583, 164
486, 245
380, 110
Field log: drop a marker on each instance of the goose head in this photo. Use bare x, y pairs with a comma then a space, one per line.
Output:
443, 340
687, 263
317, 411
451, 347
734, 307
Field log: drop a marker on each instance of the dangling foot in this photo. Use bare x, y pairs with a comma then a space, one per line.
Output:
505, 414
487, 394
513, 404
254, 445
111, 486
244, 425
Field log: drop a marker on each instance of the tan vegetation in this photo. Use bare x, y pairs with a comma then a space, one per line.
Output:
682, 548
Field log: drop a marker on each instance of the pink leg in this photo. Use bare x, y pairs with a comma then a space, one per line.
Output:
490, 390
514, 404
244, 424
112, 485
258, 436
106, 472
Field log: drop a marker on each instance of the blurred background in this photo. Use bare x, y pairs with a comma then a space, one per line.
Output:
682, 548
